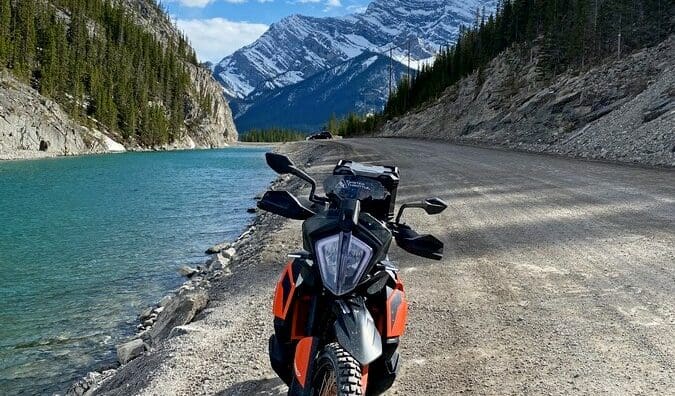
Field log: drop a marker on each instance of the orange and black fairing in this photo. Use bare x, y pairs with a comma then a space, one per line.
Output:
304, 359
396, 311
285, 289
291, 308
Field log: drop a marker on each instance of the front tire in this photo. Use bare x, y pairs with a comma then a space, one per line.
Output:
336, 373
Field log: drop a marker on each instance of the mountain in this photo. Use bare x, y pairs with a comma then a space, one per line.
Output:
299, 47
97, 76
352, 86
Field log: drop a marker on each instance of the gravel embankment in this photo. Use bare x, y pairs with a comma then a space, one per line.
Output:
558, 279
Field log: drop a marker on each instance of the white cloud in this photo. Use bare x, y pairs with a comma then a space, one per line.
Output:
204, 3
215, 38
193, 3
328, 3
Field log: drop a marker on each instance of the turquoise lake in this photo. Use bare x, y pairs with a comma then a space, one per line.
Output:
87, 242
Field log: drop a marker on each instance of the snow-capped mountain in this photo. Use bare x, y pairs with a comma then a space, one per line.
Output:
353, 86
299, 47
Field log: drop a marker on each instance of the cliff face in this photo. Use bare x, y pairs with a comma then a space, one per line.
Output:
216, 129
32, 125
622, 111
204, 129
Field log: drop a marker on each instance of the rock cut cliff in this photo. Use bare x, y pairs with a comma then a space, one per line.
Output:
33, 126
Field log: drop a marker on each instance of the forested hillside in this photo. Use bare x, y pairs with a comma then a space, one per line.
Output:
271, 135
107, 71
568, 34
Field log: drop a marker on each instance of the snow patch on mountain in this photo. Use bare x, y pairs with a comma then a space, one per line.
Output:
298, 47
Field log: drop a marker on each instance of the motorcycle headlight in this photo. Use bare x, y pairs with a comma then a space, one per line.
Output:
342, 259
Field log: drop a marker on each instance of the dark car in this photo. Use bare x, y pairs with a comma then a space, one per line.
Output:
325, 135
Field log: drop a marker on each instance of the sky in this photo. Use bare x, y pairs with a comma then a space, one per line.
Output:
217, 28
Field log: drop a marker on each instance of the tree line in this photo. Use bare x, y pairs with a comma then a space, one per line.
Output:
100, 65
570, 33
273, 135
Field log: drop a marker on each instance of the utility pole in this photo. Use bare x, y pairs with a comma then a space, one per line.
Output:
391, 68
618, 48
408, 62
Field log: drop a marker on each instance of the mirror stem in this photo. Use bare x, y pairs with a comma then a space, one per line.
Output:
400, 212
406, 206
304, 176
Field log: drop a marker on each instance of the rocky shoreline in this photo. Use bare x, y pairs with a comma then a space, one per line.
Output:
173, 314
186, 311
169, 316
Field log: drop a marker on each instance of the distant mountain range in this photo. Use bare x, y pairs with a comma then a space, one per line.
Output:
303, 69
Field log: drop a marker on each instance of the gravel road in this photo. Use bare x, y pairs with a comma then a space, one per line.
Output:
558, 278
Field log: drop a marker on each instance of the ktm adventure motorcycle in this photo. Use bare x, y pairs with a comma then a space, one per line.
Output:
340, 306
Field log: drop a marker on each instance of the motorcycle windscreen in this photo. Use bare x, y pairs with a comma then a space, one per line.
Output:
356, 331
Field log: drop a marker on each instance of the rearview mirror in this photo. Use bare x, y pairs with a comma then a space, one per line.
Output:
279, 163
434, 206
283, 166
284, 204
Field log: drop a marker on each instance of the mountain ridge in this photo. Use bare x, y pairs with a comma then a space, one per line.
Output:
298, 48
352, 86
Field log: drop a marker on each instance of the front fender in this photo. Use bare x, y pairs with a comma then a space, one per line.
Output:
356, 331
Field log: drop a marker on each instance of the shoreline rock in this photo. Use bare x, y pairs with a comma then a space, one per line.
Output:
218, 248
130, 350
171, 316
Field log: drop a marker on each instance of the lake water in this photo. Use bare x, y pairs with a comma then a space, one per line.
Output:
87, 242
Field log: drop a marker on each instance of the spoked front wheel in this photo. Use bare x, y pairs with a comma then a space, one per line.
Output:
337, 373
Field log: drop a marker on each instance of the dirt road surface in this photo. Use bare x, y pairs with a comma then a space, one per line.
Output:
558, 279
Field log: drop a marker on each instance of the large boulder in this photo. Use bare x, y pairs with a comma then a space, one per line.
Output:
229, 253
165, 301
187, 272
218, 248
218, 263
179, 311
130, 350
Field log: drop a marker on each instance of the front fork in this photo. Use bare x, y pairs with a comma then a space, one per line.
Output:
369, 331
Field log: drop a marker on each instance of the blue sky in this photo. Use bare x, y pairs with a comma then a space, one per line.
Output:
217, 28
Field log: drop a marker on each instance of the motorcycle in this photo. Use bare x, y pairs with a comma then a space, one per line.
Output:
340, 306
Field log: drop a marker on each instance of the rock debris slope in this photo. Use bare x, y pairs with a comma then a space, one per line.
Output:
622, 111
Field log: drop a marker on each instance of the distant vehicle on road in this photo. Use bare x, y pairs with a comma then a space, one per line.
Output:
325, 135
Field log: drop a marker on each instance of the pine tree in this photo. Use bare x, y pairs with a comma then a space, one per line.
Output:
5, 32
25, 40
